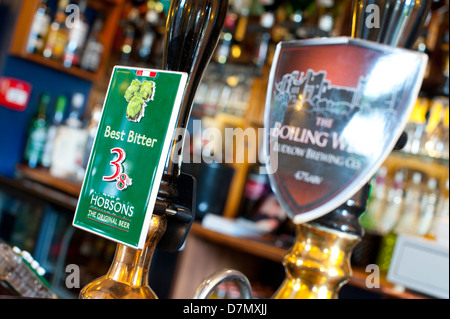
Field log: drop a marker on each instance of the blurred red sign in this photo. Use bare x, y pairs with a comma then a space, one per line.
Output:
14, 93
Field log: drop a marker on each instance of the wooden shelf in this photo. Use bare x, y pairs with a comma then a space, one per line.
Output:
57, 65
43, 176
254, 247
432, 167
35, 189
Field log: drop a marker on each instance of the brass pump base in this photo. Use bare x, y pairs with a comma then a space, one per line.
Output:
127, 277
318, 264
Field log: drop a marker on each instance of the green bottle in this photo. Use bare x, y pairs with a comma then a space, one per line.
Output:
60, 108
37, 134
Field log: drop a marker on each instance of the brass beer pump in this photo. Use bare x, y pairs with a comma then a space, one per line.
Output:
192, 33
318, 264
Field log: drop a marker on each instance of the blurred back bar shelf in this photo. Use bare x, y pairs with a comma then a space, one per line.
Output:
37, 206
202, 242
109, 9
261, 252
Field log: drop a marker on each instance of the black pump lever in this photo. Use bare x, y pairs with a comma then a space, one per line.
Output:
192, 32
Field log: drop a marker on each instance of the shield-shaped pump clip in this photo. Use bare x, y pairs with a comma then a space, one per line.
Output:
335, 109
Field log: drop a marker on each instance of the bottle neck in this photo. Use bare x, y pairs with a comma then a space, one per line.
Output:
42, 111
131, 266
318, 264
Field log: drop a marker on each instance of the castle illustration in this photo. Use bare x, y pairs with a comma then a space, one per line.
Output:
313, 93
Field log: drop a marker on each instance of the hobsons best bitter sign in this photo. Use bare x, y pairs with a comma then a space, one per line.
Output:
128, 156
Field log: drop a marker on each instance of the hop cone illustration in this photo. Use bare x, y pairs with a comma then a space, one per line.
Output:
137, 94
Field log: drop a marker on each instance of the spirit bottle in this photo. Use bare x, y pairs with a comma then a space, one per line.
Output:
428, 209
39, 29
407, 218
94, 48
440, 218
129, 34
58, 34
394, 204
60, 108
37, 134
371, 218
70, 142
407, 223
76, 39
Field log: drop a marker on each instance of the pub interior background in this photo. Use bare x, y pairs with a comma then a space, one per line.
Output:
53, 81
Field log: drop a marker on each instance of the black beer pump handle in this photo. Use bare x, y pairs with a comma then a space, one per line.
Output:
192, 33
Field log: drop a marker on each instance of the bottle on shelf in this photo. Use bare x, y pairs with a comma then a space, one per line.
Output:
437, 129
415, 128
148, 36
393, 210
226, 40
94, 48
37, 133
70, 144
261, 54
386, 250
58, 34
76, 111
439, 227
377, 200
255, 188
224, 48
394, 204
130, 34
76, 38
58, 118
326, 17
92, 130
39, 29
428, 208
409, 217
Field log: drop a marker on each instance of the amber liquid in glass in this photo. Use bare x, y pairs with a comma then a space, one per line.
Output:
127, 278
